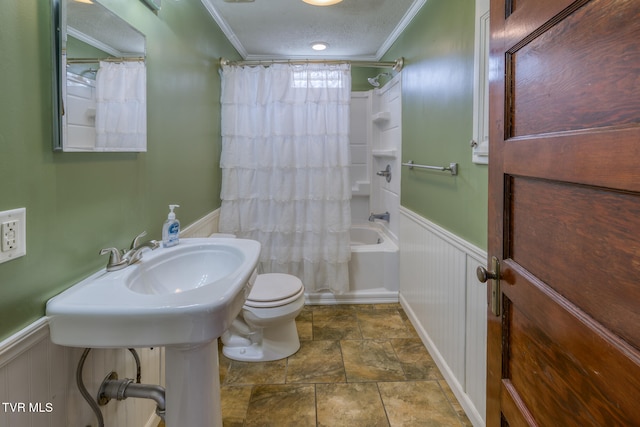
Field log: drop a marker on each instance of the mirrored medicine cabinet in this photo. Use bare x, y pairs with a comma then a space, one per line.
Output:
99, 80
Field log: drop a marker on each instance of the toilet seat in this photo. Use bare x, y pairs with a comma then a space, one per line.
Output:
274, 290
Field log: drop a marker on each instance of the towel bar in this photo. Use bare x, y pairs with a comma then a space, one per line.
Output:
453, 167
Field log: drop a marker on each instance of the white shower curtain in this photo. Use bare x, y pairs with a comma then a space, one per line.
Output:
121, 106
285, 168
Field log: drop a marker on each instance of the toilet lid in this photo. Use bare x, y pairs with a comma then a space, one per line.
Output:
272, 288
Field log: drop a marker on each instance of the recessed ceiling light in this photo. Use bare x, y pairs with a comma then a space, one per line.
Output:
319, 45
322, 2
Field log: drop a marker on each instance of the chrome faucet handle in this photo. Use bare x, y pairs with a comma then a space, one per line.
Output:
384, 216
385, 173
136, 241
134, 255
116, 262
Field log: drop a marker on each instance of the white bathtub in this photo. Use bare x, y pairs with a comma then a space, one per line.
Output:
373, 270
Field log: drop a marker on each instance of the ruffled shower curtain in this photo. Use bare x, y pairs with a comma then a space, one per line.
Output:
121, 106
285, 168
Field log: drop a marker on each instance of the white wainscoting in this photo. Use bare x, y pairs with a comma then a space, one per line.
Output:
38, 387
203, 227
445, 302
40, 375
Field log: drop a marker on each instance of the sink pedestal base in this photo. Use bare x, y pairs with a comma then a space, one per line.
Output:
193, 386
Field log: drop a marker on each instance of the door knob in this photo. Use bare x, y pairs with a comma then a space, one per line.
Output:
484, 275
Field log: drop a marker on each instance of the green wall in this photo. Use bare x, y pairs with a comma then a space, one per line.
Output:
78, 203
359, 77
437, 120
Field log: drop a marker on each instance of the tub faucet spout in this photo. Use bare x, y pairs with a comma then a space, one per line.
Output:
383, 216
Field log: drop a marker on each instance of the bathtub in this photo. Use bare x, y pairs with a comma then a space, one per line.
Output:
373, 270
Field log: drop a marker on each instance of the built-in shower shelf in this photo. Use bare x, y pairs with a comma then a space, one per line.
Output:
361, 188
381, 117
391, 153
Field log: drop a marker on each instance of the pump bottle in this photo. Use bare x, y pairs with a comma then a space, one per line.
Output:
171, 229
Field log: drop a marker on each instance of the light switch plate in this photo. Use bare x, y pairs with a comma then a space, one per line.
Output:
13, 238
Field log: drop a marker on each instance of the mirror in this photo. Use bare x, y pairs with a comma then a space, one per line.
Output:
100, 80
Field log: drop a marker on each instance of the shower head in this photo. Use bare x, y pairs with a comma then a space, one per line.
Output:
89, 71
373, 81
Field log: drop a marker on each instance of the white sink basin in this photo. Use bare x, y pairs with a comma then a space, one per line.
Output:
192, 267
184, 295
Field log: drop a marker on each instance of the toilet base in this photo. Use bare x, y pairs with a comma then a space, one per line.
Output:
278, 342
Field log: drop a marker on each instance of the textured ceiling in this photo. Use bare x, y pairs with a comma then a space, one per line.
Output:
285, 29
96, 25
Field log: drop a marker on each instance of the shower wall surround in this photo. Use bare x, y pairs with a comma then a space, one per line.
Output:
360, 142
81, 104
376, 141
386, 150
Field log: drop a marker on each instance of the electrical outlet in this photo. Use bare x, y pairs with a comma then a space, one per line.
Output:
9, 235
13, 242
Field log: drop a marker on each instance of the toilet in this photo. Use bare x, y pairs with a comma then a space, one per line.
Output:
265, 329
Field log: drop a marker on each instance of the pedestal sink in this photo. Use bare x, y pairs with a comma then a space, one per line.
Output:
182, 298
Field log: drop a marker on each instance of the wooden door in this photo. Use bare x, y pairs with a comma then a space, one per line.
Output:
564, 209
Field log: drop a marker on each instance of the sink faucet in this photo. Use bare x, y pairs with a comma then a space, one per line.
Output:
384, 216
135, 253
119, 259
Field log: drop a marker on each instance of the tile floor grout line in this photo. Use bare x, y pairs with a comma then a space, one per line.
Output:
384, 407
446, 395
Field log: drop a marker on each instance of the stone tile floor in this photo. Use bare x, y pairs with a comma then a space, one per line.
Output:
358, 365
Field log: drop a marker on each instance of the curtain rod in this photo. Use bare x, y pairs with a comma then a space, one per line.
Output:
396, 65
94, 60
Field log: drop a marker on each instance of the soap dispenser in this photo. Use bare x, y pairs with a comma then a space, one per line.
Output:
171, 229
